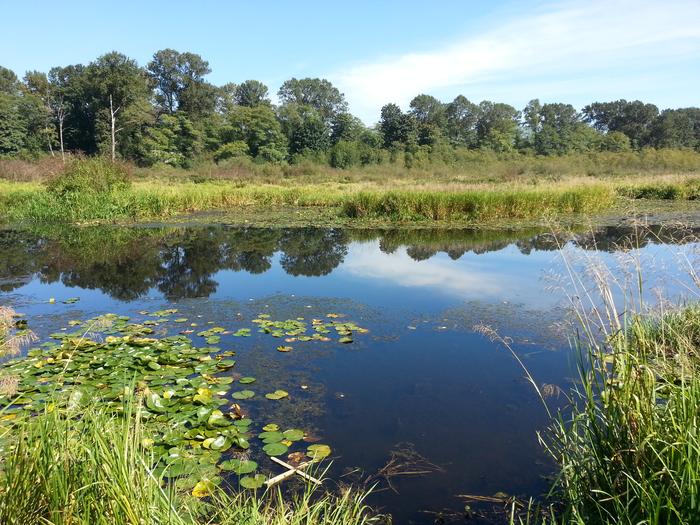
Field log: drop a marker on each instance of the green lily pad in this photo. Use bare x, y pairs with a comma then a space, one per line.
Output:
293, 434
277, 394
243, 394
239, 466
203, 488
271, 437
271, 427
225, 364
252, 482
275, 449
246, 380
318, 452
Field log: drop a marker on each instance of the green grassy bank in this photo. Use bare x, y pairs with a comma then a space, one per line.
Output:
93, 190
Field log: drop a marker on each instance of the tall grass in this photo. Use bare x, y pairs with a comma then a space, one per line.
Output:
628, 446
90, 468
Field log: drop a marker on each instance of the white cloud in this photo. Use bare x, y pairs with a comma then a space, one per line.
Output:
557, 42
466, 278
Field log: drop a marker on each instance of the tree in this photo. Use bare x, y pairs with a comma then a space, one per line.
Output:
9, 83
251, 93
634, 119
74, 110
497, 126
461, 117
317, 93
178, 79
346, 127
555, 129
305, 129
118, 83
677, 128
38, 85
259, 129
396, 126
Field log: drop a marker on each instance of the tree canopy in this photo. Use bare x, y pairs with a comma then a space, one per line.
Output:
169, 113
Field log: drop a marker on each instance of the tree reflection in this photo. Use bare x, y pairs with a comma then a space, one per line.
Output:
126, 263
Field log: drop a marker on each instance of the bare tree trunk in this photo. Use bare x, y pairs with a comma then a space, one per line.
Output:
114, 141
61, 116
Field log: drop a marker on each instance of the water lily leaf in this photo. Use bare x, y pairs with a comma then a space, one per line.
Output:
243, 394
246, 380
203, 488
154, 403
218, 419
225, 364
252, 482
239, 466
204, 396
293, 434
271, 427
277, 394
271, 437
284, 348
275, 449
242, 442
219, 443
318, 452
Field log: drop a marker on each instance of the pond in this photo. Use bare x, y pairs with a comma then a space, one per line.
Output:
420, 384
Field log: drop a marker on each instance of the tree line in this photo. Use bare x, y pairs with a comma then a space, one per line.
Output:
167, 113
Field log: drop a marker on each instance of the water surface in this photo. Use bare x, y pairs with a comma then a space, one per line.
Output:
422, 379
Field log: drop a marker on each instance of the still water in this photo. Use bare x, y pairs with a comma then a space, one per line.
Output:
421, 380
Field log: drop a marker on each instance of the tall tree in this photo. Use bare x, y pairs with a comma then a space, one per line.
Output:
119, 87
251, 93
396, 126
461, 117
497, 126
179, 82
634, 119
317, 93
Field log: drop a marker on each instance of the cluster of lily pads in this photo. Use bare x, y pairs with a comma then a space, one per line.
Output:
195, 428
298, 329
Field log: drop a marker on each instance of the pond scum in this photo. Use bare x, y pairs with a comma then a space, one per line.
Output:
112, 425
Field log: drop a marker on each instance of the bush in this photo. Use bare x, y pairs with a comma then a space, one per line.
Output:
94, 175
232, 150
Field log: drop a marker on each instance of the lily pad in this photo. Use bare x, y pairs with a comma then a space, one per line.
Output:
277, 394
293, 434
271, 427
252, 482
275, 449
271, 437
246, 380
239, 466
243, 394
318, 452
203, 488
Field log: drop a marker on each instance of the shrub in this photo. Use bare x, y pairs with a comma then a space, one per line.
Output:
94, 175
231, 150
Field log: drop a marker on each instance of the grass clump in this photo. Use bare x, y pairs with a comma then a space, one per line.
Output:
91, 468
628, 443
89, 175
476, 205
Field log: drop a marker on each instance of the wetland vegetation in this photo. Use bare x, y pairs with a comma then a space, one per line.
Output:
347, 339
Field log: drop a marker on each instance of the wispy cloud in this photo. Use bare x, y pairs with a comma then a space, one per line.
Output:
556, 42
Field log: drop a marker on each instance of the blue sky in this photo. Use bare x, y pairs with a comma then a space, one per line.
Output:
378, 52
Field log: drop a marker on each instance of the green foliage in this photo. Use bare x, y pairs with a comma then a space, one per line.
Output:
95, 175
87, 467
630, 449
232, 150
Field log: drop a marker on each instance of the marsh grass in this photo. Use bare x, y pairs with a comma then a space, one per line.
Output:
91, 468
628, 445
